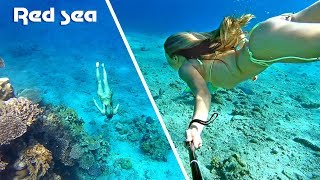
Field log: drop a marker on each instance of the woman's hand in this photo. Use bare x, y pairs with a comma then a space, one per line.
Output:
193, 134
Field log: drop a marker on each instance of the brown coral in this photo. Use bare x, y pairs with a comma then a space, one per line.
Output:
1, 63
2, 164
16, 115
33, 162
6, 90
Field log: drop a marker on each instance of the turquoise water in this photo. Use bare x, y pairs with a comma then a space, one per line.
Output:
59, 62
267, 129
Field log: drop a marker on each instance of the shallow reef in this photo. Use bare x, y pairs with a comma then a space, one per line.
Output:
6, 89
2, 63
231, 168
124, 163
47, 142
145, 131
16, 115
33, 162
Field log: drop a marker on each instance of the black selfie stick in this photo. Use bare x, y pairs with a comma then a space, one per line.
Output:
196, 174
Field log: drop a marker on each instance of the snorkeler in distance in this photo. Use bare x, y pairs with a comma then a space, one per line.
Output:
105, 94
227, 56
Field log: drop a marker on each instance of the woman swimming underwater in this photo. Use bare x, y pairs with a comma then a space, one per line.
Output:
227, 56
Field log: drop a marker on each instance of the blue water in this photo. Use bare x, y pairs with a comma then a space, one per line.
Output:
203, 15
60, 62
286, 94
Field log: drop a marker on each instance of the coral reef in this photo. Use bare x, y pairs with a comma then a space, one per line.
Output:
6, 90
59, 128
33, 162
76, 151
16, 115
2, 164
86, 161
154, 146
62, 130
234, 167
25, 128
1, 63
231, 168
150, 137
97, 170
33, 95
124, 163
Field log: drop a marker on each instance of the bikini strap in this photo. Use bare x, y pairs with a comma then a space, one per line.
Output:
265, 63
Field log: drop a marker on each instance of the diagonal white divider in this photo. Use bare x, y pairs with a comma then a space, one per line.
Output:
146, 88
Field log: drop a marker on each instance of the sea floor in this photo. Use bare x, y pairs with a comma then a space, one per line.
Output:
267, 129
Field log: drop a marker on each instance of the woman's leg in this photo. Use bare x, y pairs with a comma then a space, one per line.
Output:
310, 14
100, 90
105, 80
279, 37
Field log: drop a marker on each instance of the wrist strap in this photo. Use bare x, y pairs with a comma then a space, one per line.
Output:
213, 117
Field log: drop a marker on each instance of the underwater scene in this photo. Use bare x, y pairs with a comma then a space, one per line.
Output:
267, 128
72, 104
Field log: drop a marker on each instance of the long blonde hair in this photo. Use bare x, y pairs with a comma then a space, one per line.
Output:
207, 45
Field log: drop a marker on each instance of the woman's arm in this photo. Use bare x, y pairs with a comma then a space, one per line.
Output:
202, 101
